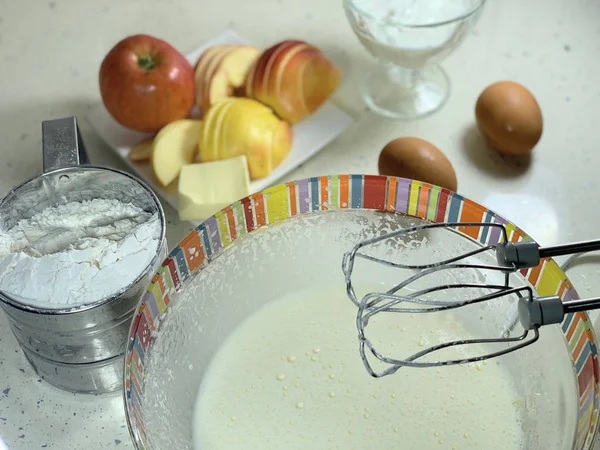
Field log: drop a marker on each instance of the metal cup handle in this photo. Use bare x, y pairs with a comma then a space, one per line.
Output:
62, 145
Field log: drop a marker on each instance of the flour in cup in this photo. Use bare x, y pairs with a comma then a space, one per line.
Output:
387, 28
416, 12
77, 253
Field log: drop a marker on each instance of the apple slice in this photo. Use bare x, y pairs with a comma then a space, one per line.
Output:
237, 63
206, 57
223, 71
246, 131
205, 82
242, 126
293, 78
271, 146
286, 88
173, 147
229, 74
205, 68
210, 132
281, 143
217, 136
239, 122
281, 55
220, 134
258, 68
252, 129
141, 152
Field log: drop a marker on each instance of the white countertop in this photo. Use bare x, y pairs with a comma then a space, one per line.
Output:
50, 53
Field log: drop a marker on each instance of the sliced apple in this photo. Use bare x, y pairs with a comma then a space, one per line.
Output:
174, 146
210, 132
242, 126
289, 89
220, 135
294, 78
258, 67
215, 131
247, 131
229, 74
318, 81
141, 152
277, 63
221, 72
281, 143
204, 67
203, 62
240, 121
237, 63
209, 76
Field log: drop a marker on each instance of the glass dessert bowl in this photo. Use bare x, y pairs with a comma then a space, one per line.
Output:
409, 38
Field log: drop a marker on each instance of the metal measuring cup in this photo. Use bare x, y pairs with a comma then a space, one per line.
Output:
79, 349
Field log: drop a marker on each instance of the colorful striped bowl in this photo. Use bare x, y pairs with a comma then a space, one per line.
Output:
312, 197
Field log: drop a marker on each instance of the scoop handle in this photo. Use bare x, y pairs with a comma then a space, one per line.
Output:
62, 145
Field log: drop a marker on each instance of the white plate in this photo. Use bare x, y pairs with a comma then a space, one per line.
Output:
310, 135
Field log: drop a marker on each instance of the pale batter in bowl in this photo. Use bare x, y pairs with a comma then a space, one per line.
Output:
290, 377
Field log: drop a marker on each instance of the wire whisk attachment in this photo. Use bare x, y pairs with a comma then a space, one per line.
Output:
417, 294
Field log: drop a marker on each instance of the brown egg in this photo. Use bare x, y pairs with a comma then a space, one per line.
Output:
411, 157
509, 117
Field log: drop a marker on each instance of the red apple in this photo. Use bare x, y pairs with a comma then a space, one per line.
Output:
145, 83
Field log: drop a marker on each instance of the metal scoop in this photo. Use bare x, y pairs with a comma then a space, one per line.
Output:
532, 312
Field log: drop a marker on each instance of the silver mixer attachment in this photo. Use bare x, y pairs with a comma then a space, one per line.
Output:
415, 295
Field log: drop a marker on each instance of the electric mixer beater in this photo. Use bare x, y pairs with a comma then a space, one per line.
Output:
532, 312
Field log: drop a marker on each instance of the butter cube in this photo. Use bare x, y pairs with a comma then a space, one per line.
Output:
206, 188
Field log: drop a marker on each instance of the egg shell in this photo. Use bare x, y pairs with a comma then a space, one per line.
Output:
509, 117
417, 159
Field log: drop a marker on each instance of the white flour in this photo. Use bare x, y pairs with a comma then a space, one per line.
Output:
385, 37
77, 253
416, 12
